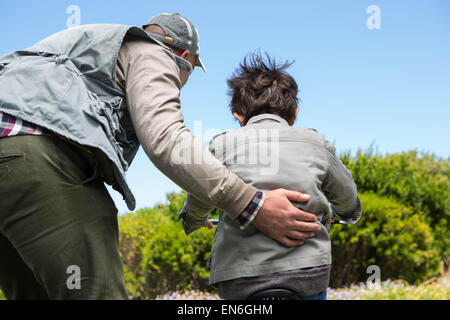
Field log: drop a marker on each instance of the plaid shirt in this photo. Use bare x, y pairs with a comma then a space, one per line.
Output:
12, 126
246, 217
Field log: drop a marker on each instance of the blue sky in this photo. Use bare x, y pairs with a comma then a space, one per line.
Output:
390, 87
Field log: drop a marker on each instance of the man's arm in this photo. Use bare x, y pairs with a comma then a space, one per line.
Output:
195, 212
151, 80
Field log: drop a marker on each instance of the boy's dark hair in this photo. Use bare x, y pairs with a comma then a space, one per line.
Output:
259, 86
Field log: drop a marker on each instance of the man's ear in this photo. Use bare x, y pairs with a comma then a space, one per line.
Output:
239, 117
185, 54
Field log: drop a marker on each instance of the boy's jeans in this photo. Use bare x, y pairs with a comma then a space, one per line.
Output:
58, 225
320, 296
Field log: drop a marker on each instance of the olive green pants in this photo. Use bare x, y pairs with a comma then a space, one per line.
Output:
59, 235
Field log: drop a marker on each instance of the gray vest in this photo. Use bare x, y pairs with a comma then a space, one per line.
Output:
67, 84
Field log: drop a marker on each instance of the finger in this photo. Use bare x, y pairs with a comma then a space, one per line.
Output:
297, 235
306, 226
304, 216
288, 242
296, 196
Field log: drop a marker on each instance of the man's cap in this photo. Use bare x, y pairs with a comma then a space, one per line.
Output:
179, 32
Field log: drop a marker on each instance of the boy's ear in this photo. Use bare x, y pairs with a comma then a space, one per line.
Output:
291, 123
239, 117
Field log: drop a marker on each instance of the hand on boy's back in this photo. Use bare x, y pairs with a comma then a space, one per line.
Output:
209, 224
283, 222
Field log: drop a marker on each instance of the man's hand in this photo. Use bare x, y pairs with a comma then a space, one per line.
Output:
283, 222
209, 224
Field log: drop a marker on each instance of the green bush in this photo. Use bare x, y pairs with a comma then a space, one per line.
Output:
2, 297
158, 257
390, 235
417, 180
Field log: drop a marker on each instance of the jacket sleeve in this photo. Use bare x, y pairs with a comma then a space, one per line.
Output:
195, 212
152, 84
340, 189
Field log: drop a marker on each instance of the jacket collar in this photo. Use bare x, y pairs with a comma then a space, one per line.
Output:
267, 117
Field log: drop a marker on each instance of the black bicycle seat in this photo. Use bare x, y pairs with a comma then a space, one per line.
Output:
274, 294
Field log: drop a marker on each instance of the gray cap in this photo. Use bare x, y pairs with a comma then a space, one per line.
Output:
180, 33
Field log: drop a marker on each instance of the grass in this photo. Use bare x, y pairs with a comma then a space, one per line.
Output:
387, 290
394, 290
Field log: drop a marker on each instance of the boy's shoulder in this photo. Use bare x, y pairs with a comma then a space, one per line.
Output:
314, 136
219, 136
227, 133
306, 133
301, 133
218, 139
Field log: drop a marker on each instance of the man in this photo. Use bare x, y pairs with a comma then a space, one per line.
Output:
75, 107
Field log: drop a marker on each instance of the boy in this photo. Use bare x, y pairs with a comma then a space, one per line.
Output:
268, 153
